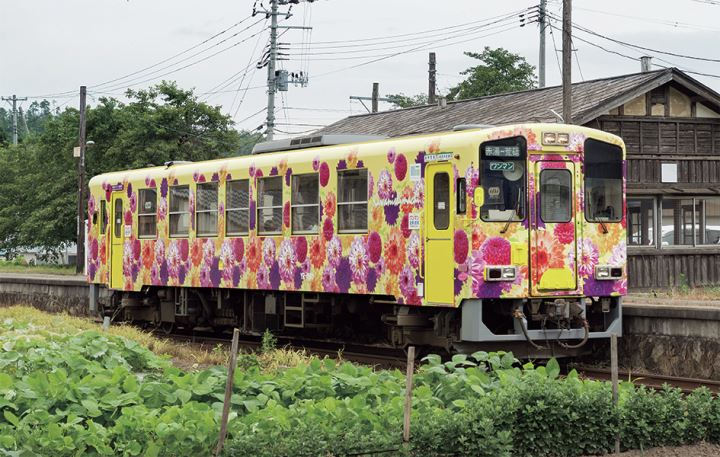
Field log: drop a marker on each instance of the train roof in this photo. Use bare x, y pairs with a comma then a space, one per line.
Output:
328, 151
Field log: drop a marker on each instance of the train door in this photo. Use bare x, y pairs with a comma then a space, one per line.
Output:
117, 237
439, 234
553, 239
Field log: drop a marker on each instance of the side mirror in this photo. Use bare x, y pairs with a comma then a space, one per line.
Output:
479, 197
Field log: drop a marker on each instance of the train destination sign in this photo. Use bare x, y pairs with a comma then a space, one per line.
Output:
502, 151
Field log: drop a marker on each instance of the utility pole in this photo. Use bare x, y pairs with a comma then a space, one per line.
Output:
272, 58
13, 101
80, 252
375, 96
374, 99
567, 61
431, 79
541, 61
270, 123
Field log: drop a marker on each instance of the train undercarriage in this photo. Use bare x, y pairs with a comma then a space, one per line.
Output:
530, 328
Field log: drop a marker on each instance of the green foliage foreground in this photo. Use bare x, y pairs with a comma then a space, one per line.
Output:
65, 393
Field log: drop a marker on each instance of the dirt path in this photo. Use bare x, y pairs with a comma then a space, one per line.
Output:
698, 450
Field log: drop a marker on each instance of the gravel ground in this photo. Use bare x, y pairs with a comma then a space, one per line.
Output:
649, 299
698, 450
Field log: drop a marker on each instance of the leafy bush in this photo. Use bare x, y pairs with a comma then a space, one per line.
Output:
65, 393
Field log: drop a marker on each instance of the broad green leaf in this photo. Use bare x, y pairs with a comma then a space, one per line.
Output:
553, 368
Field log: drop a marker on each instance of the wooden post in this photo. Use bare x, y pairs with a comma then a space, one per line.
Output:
431, 79
80, 241
375, 97
567, 61
614, 378
228, 391
408, 392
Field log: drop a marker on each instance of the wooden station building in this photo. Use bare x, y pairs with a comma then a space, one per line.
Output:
671, 126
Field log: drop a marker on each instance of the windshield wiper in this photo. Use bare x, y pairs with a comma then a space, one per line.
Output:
514, 212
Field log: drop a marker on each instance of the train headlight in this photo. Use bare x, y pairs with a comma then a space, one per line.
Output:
607, 272
501, 273
555, 139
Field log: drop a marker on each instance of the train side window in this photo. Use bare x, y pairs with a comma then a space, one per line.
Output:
179, 210
147, 213
305, 204
237, 204
352, 201
103, 216
461, 196
207, 209
555, 195
603, 181
270, 205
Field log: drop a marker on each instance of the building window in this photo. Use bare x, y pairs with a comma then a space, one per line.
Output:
555, 195
678, 222
207, 209
708, 210
237, 204
179, 210
603, 182
352, 201
641, 221
147, 215
503, 179
103, 216
305, 203
269, 211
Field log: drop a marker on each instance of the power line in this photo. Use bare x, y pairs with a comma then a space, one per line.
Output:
644, 48
650, 20
416, 49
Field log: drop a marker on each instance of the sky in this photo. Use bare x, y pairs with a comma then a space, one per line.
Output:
51, 47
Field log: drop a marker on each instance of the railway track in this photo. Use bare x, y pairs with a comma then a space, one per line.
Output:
394, 358
367, 355
686, 385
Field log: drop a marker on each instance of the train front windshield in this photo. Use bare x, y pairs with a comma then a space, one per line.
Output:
503, 180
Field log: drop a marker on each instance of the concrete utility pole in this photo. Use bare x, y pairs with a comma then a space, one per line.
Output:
270, 123
431, 79
375, 96
13, 101
567, 61
80, 253
541, 61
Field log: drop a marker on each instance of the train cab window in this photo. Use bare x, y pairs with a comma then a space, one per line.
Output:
352, 201
179, 210
237, 207
603, 181
103, 216
503, 180
305, 204
147, 215
461, 196
207, 209
270, 205
555, 195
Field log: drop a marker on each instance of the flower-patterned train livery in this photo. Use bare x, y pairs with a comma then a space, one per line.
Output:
512, 234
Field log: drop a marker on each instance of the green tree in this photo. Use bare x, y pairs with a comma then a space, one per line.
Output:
406, 101
500, 71
38, 192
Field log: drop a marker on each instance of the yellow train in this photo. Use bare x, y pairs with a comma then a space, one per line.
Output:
508, 236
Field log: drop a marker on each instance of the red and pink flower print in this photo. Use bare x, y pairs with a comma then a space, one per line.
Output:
496, 251
461, 246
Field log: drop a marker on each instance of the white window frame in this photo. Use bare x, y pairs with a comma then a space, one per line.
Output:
229, 209
294, 205
357, 202
260, 199
142, 214
198, 211
172, 213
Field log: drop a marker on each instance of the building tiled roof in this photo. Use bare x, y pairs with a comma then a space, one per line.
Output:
590, 100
